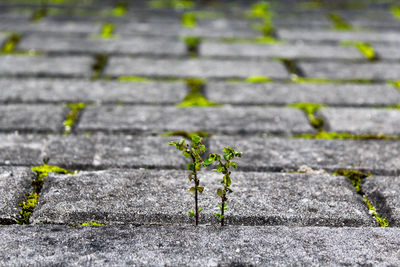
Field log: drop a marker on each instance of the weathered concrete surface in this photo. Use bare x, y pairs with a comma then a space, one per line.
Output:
186, 68
74, 66
80, 90
383, 192
134, 45
288, 93
32, 118
15, 182
3, 38
23, 150
361, 120
221, 120
376, 156
381, 71
231, 246
291, 51
161, 197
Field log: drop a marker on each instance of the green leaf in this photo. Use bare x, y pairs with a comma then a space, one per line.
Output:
200, 209
186, 154
196, 139
190, 166
219, 192
191, 213
202, 148
227, 180
172, 143
218, 215
192, 190
200, 189
208, 161
233, 164
190, 176
220, 168
198, 166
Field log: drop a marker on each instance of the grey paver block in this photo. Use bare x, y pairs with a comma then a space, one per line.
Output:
78, 90
287, 93
362, 120
146, 196
387, 51
15, 182
32, 118
226, 120
131, 45
201, 246
296, 34
376, 156
45, 66
3, 38
383, 192
23, 150
291, 51
65, 26
206, 68
347, 71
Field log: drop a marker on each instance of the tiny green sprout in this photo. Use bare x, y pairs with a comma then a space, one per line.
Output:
193, 151
223, 167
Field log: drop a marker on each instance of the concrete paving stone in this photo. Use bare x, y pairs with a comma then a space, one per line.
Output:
15, 182
293, 51
49, 25
159, 197
387, 51
24, 150
200, 246
205, 68
277, 154
75, 66
32, 118
295, 34
383, 192
380, 71
79, 90
293, 18
3, 38
361, 120
129, 45
222, 120
287, 93
376, 19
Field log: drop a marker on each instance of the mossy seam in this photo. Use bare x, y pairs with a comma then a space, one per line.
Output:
92, 223
187, 135
98, 66
339, 23
365, 48
119, 10
11, 43
72, 116
310, 109
195, 98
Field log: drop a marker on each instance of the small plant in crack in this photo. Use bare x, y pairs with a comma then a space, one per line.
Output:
223, 167
193, 151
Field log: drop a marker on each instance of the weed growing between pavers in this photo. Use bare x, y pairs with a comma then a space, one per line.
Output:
339, 23
193, 151
72, 116
356, 177
195, 98
11, 43
365, 48
192, 45
223, 167
99, 65
31, 200
309, 109
187, 135
189, 20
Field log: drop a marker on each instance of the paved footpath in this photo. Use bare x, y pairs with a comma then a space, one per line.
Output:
309, 91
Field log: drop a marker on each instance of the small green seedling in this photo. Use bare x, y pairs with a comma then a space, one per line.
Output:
223, 167
193, 151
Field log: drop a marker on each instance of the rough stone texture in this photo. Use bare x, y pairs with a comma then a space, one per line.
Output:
3, 38
172, 245
15, 182
222, 120
291, 51
295, 34
380, 71
74, 90
149, 197
287, 93
32, 118
134, 45
376, 156
52, 26
205, 68
361, 120
387, 51
20, 149
383, 192
45, 66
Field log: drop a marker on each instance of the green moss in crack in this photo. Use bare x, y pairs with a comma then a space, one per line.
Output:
11, 43
192, 44
372, 210
258, 79
134, 79
339, 23
98, 66
176, 4
188, 135
119, 10
189, 20
72, 116
267, 40
365, 48
395, 84
309, 109
94, 223
195, 98
334, 135
41, 12
107, 31
395, 11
